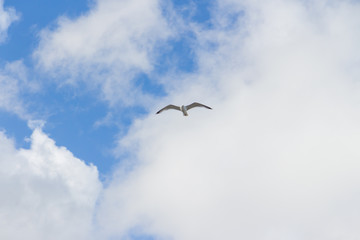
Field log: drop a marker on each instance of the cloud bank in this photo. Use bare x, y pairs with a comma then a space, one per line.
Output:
277, 158
46, 192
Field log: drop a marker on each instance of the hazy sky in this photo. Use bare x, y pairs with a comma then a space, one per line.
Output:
84, 156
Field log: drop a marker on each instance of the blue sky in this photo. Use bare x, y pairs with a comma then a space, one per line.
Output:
84, 156
64, 105
70, 113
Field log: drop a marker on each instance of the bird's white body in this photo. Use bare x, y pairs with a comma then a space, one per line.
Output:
184, 110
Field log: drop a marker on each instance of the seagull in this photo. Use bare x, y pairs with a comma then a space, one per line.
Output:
183, 108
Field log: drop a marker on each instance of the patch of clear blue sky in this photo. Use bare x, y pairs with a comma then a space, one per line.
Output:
70, 113
71, 117
148, 85
195, 10
15, 128
178, 53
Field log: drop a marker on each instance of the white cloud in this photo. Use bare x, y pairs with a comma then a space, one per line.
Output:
46, 192
105, 47
277, 158
7, 16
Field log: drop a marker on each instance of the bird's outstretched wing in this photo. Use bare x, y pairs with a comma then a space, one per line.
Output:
170, 106
196, 104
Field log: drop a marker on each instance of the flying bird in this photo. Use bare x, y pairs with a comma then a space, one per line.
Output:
183, 108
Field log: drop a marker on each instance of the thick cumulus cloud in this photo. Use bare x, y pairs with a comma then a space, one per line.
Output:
46, 193
277, 158
7, 16
106, 47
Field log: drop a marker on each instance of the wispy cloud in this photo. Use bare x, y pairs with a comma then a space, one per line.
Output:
7, 16
13, 84
106, 47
